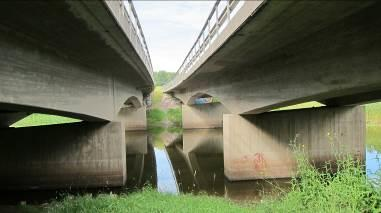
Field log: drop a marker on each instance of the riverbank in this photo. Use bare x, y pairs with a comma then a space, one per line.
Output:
348, 190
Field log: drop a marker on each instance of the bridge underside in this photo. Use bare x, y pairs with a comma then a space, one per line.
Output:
68, 58
291, 52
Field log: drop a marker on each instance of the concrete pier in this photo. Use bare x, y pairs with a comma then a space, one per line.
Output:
258, 146
133, 118
76, 155
203, 116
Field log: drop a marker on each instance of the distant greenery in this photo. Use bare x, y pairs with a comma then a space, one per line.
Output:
301, 106
159, 115
373, 114
157, 96
373, 137
174, 116
155, 116
162, 77
37, 119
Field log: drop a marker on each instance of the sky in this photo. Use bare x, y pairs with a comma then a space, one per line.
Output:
171, 28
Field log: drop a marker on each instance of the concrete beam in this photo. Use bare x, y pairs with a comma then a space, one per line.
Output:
203, 116
74, 155
270, 62
258, 146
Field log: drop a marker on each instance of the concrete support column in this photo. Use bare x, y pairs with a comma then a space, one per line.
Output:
203, 116
133, 118
59, 156
258, 146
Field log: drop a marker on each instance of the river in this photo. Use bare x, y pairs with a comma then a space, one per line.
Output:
177, 161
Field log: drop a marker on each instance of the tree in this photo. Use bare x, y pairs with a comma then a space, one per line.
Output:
162, 77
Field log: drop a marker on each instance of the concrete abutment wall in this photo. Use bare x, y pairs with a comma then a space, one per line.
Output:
258, 146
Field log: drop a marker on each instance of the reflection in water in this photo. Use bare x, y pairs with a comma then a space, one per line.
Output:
141, 161
191, 161
373, 150
166, 181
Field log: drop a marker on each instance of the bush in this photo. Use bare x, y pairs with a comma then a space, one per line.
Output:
174, 116
347, 190
155, 116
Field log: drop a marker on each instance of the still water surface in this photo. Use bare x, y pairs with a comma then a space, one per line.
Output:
192, 161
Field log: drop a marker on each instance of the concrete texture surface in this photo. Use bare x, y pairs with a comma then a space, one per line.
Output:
62, 156
136, 142
202, 141
67, 58
289, 52
203, 116
258, 146
133, 118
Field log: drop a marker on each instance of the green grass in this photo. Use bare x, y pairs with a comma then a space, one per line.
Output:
42, 119
301, 106
373, 114
312, 191
148, 200
348, 190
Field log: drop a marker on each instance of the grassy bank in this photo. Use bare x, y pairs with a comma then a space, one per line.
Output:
37, 119
346, 191
148, 200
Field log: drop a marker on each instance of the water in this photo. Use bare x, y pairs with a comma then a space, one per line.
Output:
373, 151
191, 161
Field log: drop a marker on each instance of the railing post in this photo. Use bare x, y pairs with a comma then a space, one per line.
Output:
228, 10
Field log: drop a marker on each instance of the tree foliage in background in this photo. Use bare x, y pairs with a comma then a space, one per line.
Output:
162, 77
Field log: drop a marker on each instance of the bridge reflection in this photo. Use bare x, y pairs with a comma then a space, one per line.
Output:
196, 160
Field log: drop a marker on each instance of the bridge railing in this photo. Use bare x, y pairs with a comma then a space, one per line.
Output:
218, 19
133, 29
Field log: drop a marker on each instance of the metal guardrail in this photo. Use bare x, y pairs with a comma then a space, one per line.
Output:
135, 32
217, 20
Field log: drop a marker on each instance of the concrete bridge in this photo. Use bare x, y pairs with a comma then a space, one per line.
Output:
81, 59
257, 56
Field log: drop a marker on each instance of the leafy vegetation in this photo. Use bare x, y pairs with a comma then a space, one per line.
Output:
348, 190
157, 96
162, 77
155, 116
174, 116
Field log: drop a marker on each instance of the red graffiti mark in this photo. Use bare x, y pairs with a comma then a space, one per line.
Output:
259, 162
